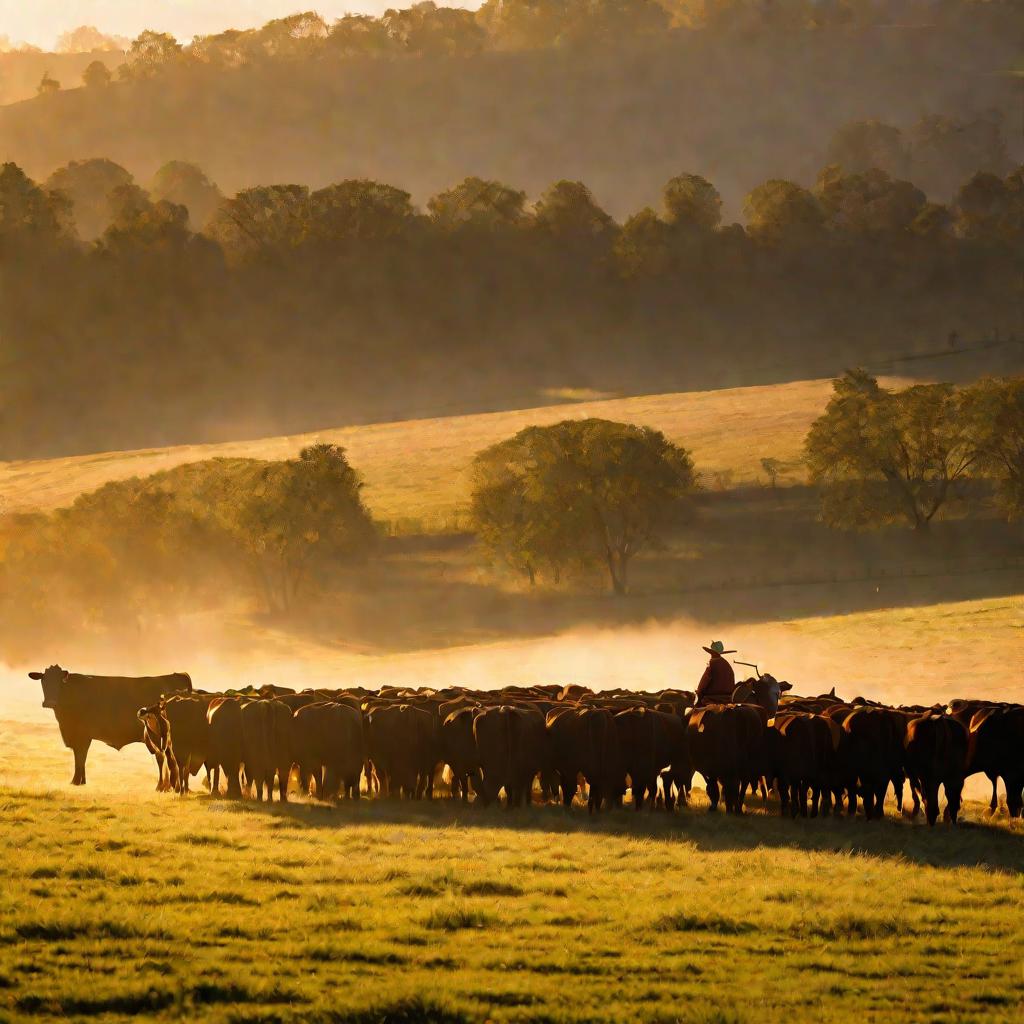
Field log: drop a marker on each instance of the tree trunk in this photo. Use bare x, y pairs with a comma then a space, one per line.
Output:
617, 570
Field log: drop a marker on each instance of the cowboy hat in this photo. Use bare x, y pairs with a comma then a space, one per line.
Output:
718, 648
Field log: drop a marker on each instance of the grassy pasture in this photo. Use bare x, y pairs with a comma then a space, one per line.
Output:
116, 901
114, 905
416, 470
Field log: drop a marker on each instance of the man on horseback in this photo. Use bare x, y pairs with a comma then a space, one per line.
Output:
719, 680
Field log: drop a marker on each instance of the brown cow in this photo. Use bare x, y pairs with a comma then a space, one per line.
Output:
936, 754
724, 743
876, 756
585, 741
511, 747
996, 747
328, 746
458, 748
266, 746
103, 708
401, 744
225, 719
157, 736
800, 750
650, 741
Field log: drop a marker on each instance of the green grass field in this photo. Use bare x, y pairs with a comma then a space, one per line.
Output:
416, 470
120, 903
116, 901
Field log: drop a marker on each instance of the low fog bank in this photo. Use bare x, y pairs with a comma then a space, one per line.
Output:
883, 655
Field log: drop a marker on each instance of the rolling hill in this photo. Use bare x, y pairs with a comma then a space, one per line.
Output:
737, 109
416, 469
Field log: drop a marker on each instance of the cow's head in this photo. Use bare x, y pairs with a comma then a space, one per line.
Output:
767, 692
52, 679
154, 723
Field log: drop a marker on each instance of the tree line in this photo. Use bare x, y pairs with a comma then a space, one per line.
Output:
183, 312
577, 497
429, 29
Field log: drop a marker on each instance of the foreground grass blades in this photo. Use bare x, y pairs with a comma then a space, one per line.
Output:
206, 910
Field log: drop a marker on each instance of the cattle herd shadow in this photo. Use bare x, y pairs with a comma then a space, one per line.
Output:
995, 844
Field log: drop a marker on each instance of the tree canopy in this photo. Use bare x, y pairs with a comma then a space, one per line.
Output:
580, 493
994, 412
884, 456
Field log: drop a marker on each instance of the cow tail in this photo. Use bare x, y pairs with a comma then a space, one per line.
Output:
507, 713
654, 766
592, 743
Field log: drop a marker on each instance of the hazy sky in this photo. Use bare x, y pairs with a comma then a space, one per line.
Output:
41, 21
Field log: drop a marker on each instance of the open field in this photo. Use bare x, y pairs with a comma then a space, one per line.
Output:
116, 901
417, 469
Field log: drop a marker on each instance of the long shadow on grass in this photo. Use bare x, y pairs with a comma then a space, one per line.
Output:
996, 845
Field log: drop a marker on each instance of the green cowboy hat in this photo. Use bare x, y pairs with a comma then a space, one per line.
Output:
718, 648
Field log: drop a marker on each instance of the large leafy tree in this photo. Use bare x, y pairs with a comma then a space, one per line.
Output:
868, 204
360, 211
261, 222
425, 28
692, 201
477, 203
884, 457
360, 35
567, 212
994, 412
187, 185
89, 186
301, 515
590, 492
781, 212
643, 249
150, 53
30, 216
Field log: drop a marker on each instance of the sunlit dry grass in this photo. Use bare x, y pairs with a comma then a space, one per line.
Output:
113, 905
416, 470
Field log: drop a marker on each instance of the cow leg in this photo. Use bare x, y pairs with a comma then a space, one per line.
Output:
1014, 795
931, 800
569, 787
993, 804
880, 794
158, 754
954, 788
666, 786
233, 773
81, 752
174, 780
713, 793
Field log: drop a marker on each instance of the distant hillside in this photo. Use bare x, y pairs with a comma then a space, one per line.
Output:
416, 469
21, 73
735, 109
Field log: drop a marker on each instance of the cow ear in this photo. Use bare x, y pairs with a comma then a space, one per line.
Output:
65, 676
785, 686
35, 675
832, 692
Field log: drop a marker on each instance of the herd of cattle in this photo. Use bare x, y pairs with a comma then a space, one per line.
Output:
548, 743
